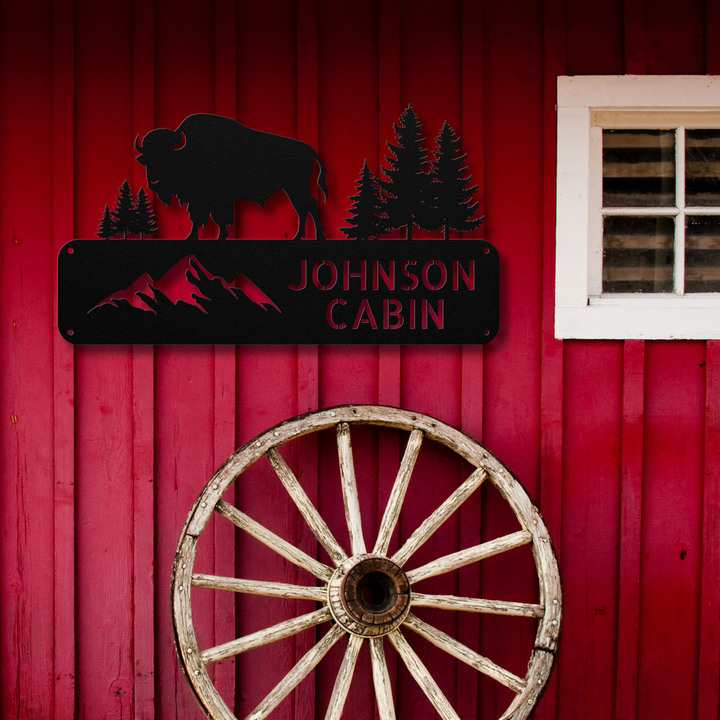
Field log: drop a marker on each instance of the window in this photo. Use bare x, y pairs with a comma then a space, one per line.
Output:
638, 207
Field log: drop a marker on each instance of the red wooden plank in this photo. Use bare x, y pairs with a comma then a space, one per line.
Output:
471, 359
267, 388
389, 356
307, 355
712, 32
104, 429
183, 463
671, 529
184, 376
594, 37
266, 90
630, 527
27, 338
431, 375
513, 109
551, 370
348, 99
267, 379
590, 527
63, 380
634, 35
682, 50
430, 384
144, 528
709, 655
143, 404
225, 362
389, 70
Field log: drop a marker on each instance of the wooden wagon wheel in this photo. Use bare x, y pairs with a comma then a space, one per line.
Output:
367, 595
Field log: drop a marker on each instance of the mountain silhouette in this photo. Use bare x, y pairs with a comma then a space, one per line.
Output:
186, 282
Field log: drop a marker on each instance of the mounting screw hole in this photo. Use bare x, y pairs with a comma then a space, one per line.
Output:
486, 250
71, 251
70, 332
486, 331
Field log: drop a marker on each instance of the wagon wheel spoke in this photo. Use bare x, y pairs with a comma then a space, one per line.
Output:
258, 587
381, 680
273, 541
471, 555
307, 509
297, 674
422, 676
477, 605
344, 678
349, 489
431, 524
397, 495
464, 653
269, 635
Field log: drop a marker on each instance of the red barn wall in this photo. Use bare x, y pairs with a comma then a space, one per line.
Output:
104, 449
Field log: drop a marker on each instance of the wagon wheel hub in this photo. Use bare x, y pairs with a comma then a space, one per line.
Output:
369, 595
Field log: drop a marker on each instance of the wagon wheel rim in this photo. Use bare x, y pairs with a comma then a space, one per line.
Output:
388, 615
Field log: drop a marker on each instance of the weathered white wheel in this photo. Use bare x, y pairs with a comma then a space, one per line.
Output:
367, 595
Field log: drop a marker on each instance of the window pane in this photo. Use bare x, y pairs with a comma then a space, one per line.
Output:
702, 167
638, 254
638, 168
702, 254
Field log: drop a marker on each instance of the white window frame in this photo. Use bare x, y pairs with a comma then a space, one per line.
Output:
585, 106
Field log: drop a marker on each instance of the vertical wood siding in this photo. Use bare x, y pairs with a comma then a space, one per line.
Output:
104, 449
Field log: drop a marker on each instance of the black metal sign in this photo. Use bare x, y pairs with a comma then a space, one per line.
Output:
126, 290
278, 291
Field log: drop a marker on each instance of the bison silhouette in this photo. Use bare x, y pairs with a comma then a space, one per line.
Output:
219, 161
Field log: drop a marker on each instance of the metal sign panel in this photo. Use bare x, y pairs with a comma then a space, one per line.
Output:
278, 291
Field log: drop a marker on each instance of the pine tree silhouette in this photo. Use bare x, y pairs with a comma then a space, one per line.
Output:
407, 194
144, 216
124, 213
106, 228
365, 222
454, 201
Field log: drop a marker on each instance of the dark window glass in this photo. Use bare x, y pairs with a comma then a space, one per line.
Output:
702, 253
638, 168
638, 254
702, 168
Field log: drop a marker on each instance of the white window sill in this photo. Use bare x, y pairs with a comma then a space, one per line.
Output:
624, 317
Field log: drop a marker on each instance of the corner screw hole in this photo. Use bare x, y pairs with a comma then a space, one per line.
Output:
71, 251
70, 332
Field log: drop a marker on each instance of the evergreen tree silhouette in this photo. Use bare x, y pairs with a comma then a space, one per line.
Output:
454, 202
365, 222
106, 228
124, 213
407, 194
144, 216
